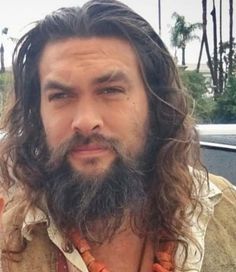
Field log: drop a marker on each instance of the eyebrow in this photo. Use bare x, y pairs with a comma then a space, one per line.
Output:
111, 76
53, 84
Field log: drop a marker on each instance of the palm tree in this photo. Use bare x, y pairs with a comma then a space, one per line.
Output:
183, 32
4, 32
215, 57
221, 71
205, 41
230, 37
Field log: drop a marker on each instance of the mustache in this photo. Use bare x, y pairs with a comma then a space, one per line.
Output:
60, 153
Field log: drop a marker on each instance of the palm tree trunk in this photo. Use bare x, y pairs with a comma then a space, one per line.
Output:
183, 56
204, 19
2, 70
230, 37
200, 55
221, 74
159, 16
215, 57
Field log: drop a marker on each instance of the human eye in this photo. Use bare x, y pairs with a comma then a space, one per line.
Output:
56, 96
110, 91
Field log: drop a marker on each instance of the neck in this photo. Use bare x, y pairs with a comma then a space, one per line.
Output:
126, 251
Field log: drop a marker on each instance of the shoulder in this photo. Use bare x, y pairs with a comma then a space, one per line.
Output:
13, 213
14, 202
226, 207
223, 184
220, 239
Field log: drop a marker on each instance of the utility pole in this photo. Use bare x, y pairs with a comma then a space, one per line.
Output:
159, 16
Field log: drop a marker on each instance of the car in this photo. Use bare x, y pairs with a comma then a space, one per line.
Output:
218, 149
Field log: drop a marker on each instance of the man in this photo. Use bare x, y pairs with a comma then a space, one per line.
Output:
100, 157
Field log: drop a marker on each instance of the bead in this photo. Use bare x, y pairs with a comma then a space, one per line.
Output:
105, 270
87, 257
96, 267
158, 268
81, 244
163, 256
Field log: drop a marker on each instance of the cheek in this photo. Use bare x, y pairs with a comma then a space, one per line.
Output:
141, 122
56, 128
133, 127
140, 126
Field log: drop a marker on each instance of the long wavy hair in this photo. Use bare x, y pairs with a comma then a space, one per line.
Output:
177, 163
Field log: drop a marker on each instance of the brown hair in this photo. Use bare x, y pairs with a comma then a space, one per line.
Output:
174, 187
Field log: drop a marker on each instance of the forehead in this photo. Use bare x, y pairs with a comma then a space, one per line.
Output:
87, 53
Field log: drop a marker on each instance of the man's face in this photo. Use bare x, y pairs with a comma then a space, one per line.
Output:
93, 86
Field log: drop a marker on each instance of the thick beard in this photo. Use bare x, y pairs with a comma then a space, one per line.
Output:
78, 202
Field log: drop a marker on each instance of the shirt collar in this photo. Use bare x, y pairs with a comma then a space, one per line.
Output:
36, 216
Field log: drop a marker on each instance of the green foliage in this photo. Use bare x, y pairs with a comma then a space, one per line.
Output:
207, 110
5, 88
204, 105
182, 31
226, 104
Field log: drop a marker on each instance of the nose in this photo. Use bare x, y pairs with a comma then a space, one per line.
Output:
87, 119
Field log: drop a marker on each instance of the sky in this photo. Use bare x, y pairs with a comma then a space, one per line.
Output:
18, 16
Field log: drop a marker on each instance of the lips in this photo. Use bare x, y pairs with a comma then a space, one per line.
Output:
89, 149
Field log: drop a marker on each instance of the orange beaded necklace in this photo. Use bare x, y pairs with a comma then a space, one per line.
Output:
164, 257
